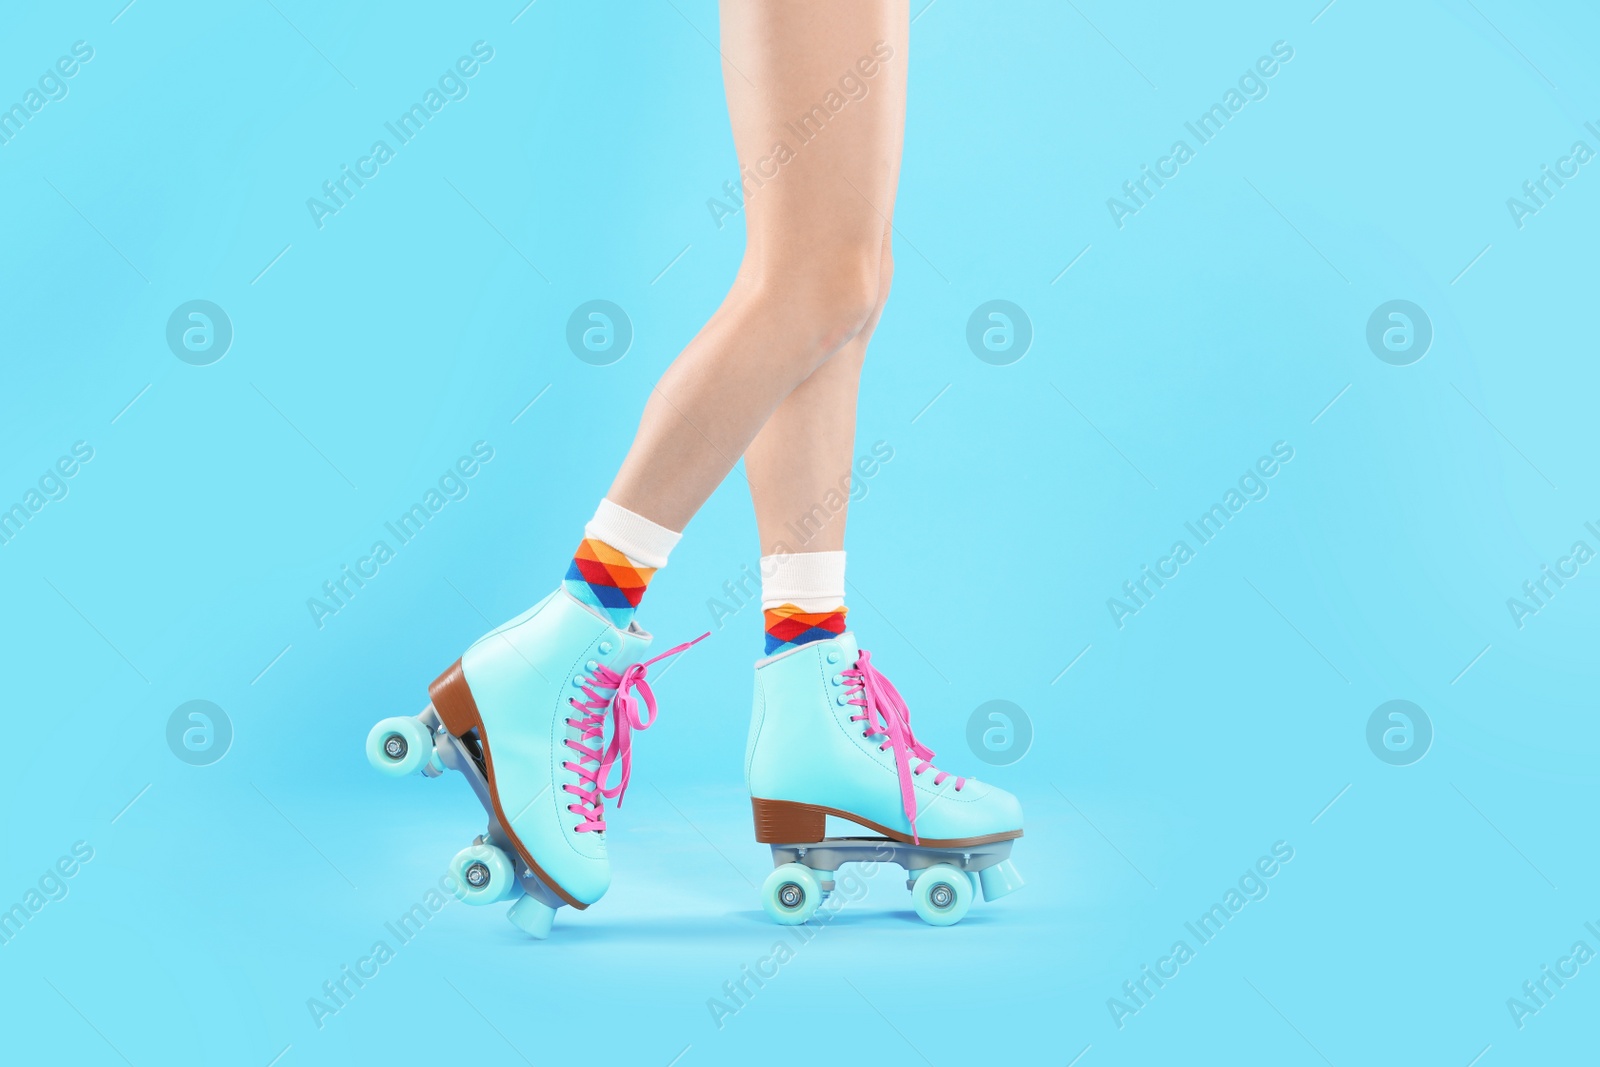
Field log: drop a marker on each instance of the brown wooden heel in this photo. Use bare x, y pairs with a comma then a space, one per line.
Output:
787, 822
784, 822
453, 701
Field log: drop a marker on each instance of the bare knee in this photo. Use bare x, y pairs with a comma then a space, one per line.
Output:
839, 292
855, 349
885, 277
835, 293
861, 304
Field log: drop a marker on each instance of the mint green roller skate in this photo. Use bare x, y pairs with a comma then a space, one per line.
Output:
522, 716
830, 735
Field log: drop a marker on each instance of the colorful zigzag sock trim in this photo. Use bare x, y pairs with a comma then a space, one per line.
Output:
790, 627
607, 580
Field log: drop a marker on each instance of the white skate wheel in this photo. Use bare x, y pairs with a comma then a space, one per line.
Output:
791, 894
942, 894
399, 746
483, 874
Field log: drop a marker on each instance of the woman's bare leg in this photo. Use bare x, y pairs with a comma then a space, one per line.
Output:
800, 464
816, 94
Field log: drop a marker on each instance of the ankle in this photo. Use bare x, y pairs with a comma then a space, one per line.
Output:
802, 598
619, 554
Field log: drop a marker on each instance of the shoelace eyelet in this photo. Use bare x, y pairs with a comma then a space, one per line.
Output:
627, 698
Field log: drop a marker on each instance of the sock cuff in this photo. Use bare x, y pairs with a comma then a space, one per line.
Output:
642, 541
811, 581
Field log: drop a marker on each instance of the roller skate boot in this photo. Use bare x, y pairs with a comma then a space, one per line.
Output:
522, 715
830, 735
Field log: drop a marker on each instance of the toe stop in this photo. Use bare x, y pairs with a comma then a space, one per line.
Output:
998, 880
532, 917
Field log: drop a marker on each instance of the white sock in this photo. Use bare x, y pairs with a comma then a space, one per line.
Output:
811, 581
646, 544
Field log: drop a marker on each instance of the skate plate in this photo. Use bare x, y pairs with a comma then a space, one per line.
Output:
454, 755
943, 881
489, 870
831, 853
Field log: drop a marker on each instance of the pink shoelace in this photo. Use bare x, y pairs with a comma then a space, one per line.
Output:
604, 689
884, 713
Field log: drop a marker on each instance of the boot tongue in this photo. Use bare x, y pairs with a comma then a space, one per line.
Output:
848, 650
635, 646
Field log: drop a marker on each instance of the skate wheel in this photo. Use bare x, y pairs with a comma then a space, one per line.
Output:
942, 894
400, 745
532, 917
791, 894
483, 874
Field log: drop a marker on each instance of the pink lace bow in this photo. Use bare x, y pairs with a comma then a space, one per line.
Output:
633, 707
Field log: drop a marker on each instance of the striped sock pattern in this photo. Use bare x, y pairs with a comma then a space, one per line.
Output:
607, 581
789, 626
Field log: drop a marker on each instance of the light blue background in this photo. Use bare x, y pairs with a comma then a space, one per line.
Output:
1225, 316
